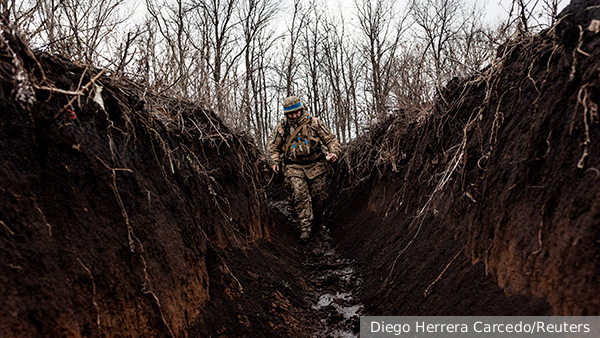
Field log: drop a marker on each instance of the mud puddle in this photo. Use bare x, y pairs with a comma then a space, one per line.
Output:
336, 289
334, 285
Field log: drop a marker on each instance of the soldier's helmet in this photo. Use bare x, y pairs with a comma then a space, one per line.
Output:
292, 104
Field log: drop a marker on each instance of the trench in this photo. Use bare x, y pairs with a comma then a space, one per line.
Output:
334, 293
132, 222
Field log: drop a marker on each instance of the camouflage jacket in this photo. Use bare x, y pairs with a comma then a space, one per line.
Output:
305, 153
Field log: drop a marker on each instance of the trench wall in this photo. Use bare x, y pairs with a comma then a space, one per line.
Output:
501, 177
110, 221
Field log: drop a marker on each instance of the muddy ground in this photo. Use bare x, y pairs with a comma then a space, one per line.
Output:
291, 290
150, 217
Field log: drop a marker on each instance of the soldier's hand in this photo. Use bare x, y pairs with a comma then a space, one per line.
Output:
275, 168
331, 157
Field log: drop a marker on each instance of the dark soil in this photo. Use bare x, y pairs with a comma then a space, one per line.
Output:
146, 218
113, 223
290, 290
495, 209
151, 218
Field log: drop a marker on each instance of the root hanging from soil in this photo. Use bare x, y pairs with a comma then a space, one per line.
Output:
450, 169
430, 287
43, 216
591, 108
146, 290
94, 300
12, 233
115, 190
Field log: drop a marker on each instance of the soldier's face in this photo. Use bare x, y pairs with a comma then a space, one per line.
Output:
294, 115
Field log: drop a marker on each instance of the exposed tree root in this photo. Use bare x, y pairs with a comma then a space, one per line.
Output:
94, 301
588, 107
12, 233
430, 287
43, 217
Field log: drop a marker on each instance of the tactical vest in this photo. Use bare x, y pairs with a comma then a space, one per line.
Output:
302, 144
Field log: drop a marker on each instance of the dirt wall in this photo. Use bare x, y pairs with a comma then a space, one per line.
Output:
499, 186
107, 217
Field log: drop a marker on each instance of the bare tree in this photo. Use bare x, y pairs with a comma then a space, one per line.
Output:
534, 14
223, 33
85, 28
475, 44
382, 41
440, 23
86, 31
339, 58
312, 50
173, 21
22, 15
550, 10
290, 62
411, 87
265, 95
227, 55
255, 17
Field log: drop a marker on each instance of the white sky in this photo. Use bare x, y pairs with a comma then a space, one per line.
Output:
498, 9
495, 10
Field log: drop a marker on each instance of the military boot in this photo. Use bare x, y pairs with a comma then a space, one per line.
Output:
304, 236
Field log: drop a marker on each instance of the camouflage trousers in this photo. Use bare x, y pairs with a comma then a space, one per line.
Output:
307, 199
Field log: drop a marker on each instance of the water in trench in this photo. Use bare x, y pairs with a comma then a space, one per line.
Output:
336, 289
335, 285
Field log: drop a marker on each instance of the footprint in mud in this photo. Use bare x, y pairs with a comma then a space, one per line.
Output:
336, 289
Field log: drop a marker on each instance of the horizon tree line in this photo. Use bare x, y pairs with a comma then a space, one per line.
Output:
241, 58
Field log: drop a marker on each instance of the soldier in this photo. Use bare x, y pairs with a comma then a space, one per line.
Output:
303, 145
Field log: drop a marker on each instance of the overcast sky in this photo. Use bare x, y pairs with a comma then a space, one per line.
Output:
495, 10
